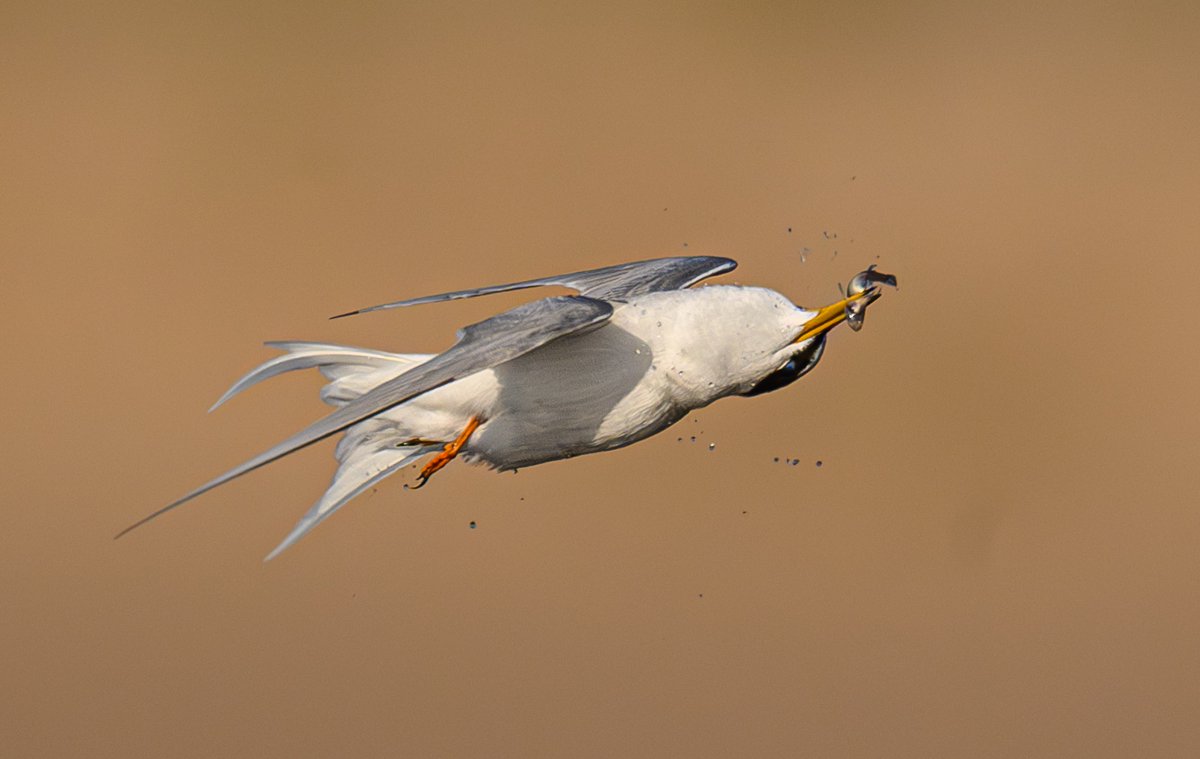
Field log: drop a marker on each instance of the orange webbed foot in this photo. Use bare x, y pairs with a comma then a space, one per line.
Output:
447, 454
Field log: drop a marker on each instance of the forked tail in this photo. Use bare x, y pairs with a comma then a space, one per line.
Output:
368, 451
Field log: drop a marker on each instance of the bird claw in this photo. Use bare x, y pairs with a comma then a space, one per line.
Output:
435, 464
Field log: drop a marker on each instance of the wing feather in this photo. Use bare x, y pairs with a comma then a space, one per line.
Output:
608, 283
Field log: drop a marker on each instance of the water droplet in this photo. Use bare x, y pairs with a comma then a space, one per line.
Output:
693, 438
794, 462
712, 446
472, 525
819, 463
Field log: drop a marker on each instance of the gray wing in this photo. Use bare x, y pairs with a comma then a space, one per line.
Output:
609, 283
480, 346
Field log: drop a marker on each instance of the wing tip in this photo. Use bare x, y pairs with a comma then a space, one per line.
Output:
723, 264
380, 307
152, 515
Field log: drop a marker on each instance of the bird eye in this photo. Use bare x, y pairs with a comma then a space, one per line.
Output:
781, 377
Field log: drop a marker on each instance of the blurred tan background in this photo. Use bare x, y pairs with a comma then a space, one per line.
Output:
997, 557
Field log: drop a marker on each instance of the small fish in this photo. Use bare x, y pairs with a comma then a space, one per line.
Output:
864, 279
865, 282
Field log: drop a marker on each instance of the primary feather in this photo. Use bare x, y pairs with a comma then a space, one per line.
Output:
609, 283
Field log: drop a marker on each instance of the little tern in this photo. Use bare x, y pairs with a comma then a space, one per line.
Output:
628, 356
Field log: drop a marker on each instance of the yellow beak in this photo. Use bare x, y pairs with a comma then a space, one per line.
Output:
828, 317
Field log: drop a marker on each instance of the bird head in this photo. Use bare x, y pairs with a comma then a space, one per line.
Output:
862, 291
809, 345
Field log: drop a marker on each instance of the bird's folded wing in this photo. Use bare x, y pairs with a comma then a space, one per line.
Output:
609, 283
480, 346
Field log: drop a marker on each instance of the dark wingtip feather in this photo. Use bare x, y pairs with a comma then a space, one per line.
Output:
147, 518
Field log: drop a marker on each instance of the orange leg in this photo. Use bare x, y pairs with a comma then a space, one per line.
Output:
448, 453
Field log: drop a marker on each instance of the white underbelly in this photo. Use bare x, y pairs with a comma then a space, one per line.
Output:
577, 395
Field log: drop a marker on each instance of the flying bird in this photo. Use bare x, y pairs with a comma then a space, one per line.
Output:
630, 355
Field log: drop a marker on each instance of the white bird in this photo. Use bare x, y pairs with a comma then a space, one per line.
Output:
629, 356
